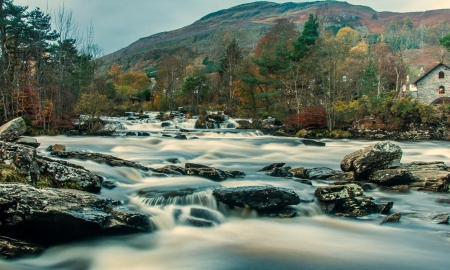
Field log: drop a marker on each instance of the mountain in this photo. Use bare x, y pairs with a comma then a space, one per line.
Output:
249, 22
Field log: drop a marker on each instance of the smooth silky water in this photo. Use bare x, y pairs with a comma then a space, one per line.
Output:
243, 240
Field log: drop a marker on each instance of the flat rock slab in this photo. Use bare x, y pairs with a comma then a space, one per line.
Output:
257, 197
99, 158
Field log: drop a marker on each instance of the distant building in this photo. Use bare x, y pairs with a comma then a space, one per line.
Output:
433, 87
134, 100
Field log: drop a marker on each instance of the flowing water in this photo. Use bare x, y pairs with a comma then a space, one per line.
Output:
241, 239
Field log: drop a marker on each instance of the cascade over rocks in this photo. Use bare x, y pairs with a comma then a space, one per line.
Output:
257, 197
52, 216
382, 155
12, 130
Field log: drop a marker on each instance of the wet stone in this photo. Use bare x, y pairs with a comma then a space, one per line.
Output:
394, 218
272, 166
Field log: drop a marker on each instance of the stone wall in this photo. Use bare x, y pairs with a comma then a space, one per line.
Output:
428, 86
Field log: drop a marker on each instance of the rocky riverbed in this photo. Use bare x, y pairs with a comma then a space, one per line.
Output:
47, 198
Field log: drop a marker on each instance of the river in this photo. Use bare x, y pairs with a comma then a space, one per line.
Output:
243, 240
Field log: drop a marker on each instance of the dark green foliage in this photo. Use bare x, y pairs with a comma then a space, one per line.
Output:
307, 39
370, 81
445, 41
375, 16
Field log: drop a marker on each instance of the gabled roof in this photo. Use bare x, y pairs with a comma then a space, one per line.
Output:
431, 70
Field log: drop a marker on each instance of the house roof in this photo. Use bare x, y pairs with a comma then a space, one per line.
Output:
431, 70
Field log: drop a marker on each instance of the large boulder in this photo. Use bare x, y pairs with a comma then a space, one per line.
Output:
382, 155
257, 197
12, 130
53, 216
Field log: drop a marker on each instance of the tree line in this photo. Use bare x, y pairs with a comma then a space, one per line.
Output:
317, 77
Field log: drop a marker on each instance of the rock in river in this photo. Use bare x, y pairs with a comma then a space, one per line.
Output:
382, 155
53, 216
257, 197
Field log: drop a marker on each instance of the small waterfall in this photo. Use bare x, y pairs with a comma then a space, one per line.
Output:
203, 198
166, 213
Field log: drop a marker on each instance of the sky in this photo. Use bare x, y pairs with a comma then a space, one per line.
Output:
118, 23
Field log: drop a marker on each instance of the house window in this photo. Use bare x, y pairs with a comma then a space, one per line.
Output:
441, 90
441, 75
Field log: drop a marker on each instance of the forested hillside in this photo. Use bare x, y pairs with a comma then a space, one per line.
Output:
311, 65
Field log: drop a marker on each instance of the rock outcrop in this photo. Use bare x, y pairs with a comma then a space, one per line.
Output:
50, 216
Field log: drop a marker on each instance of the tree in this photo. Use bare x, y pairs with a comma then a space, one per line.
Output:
194, 89
307, 39
228, 67
273, 61
445, 41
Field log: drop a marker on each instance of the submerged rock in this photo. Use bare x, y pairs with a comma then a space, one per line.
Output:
56, 148
279, 172
204, 214
308, 142
443, 200
356, 207
257, 197
438, 218
279, 213
332, 193
272, 166
172, 169
394, 218
210, 172
195, 222
12, 130
12, 248
53, 216
380, 156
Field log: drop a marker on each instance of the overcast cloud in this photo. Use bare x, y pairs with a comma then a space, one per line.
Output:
118, 23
